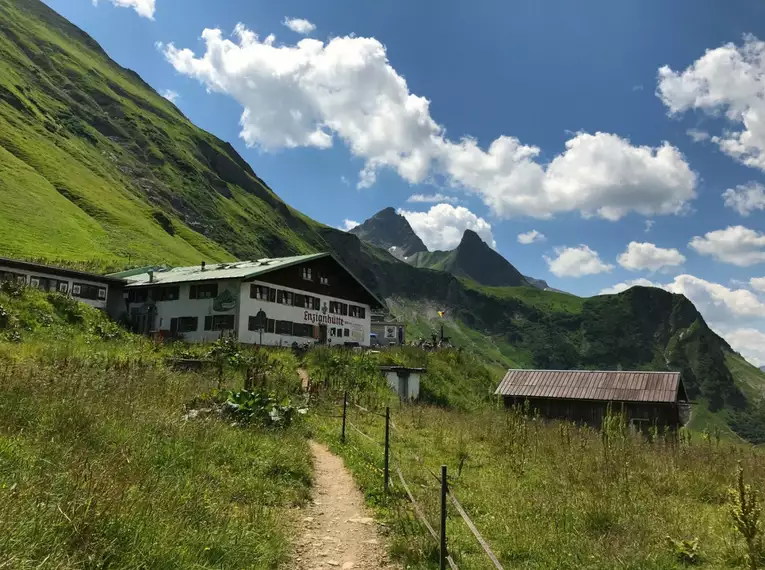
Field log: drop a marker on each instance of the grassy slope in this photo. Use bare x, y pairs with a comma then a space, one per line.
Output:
429, 259
98, 168
98, 468
110, 169
549, 496
543, 494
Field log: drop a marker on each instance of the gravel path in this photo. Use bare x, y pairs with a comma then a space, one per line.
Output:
338, 531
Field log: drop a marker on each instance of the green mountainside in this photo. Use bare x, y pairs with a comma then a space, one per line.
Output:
472, 259
99, 170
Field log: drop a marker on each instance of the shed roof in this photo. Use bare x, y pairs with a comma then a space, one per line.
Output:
609, 386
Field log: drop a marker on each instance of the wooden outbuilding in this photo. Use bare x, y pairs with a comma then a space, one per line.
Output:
584, 396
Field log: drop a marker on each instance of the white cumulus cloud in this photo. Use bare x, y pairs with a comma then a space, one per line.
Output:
530, 237
437, 198
314, 93
727, 81
348, 225
698, 135
758, 284
748, 341
170, 95
576, 262
145, 8
745, 198
648, 256
620, 287
442, 227
299, 25
736, 245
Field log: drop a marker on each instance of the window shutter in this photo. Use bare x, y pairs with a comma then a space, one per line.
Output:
208, 323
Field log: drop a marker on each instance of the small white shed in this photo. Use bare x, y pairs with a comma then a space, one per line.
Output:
403, 380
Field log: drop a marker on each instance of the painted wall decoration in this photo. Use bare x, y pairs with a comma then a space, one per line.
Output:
390, 332
225, 301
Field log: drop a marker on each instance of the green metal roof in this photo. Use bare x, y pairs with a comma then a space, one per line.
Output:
215, 271
229, 270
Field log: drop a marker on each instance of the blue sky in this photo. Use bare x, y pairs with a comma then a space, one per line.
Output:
599, 137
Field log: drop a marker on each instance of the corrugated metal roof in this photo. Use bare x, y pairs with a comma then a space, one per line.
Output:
217, 271
610, 386
228, 270
39, 267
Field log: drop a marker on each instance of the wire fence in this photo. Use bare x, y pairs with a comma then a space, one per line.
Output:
446, 493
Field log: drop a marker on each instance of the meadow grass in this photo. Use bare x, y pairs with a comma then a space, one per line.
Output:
99, 468
549, 495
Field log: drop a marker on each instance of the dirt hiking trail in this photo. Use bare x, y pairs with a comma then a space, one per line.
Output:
338, 531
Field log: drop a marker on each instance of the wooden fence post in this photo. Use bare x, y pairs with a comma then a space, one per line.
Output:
443, 553
345, 413
387, 447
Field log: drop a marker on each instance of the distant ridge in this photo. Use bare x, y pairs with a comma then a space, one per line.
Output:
390, 231
472, 259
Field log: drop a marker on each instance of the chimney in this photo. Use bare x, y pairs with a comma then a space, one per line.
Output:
203, 266
151, 276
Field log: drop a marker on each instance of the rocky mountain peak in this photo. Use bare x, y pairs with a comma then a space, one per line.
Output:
391, 231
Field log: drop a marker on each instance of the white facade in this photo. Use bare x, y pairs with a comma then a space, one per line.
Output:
346, 328
162, 313
83, 289
233, 303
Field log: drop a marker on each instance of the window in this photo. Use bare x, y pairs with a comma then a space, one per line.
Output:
49, 284
357, 312
272, 295
261, 292
346, 332
184, 324
338, 308
284, 327
206, 291
323, 279
219, 322
307, 274
138, 295
168, 294
10, 276
299, 300
270, 325
284, 297
300, 329
316, 304
85, 291
332, 331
